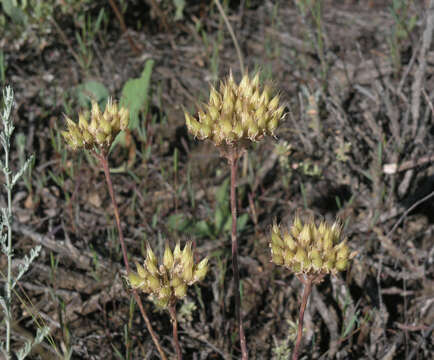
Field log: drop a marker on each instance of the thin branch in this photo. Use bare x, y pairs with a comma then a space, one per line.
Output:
231, 32
120, 18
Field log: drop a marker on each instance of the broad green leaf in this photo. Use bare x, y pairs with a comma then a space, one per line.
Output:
178, 222
91, 90
202, 228
135, 94
222, 194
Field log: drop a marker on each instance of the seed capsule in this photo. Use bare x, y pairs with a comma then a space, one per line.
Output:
309, 249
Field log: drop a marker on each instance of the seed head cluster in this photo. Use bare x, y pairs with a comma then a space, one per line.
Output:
308, 249
237, 112
168, 281
100, 130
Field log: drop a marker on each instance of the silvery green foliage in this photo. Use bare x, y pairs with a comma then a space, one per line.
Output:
6, 219
25, 350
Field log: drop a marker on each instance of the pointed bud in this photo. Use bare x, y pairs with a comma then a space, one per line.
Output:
277, 259
300, 255
135, 280
164, 292
176, 281
181, 291
297, 226
289, 241
214, 97
213, 112
187, 273
82, 122
124, 118
255, 81
141, 270
341, 264
273, 104
305, 236
177, 252
168, 258
187, 255
153, 283
276, 240
201, 270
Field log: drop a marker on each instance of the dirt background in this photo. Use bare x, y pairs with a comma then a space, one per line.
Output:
356, 143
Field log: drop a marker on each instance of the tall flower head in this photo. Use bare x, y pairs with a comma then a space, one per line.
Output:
236, 113
96, 129
310, 249
168, 281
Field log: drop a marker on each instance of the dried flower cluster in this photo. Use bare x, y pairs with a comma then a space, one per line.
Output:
170, 280
100, 131
308, 249
237, 112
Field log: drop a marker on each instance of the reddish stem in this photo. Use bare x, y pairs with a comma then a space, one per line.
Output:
172, 311
306, 292
233, 161
104, 163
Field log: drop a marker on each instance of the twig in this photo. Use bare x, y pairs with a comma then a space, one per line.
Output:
120, 18
231, 32
415, 205
393, 168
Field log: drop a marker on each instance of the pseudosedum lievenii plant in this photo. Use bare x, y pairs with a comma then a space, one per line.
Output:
311, 252
237, 113
235, 116
97, 129
308, 249
168, 281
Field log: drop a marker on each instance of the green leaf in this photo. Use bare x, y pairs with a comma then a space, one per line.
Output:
135, 94
179, 5
91, 90
222, 194
178, 222
220, 218
202, 228
241, 223
15, 13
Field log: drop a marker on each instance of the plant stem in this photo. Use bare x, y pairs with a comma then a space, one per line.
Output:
104, 163
172, 311
233, 161
231, 32
306, 292
8, 316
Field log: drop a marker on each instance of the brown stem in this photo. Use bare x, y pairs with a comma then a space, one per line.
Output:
233, 161
120, 18
104, 163
307, 290
172, 311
